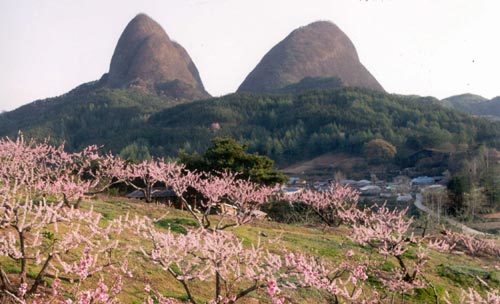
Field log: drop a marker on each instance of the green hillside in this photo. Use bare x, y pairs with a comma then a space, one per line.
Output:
86, 115
292, 127
286, 127
474, 104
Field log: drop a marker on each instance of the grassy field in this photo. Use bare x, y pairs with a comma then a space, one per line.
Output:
445, 272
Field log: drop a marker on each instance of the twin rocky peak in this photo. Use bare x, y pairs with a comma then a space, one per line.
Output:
145, 58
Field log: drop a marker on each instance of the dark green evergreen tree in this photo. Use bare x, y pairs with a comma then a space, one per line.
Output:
226, 154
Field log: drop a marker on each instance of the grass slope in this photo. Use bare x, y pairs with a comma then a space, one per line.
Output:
446, 272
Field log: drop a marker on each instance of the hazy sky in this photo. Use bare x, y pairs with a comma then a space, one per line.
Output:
425, 47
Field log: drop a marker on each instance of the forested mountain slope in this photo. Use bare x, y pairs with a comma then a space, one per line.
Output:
291, 127
84, 116
286, 127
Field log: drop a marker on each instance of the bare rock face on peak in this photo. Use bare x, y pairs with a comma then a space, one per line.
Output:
318, 50
146, 59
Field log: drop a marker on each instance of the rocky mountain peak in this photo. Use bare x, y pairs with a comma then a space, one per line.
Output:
146, 58
318, 50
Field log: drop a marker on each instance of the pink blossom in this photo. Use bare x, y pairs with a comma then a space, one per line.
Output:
334, 206
22, 290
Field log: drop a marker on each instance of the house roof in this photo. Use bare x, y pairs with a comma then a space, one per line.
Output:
157, 193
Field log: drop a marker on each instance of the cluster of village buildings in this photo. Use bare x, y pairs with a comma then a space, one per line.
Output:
401, 190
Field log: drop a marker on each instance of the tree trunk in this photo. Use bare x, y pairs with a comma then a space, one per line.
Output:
39, 277
217, 286
23, 257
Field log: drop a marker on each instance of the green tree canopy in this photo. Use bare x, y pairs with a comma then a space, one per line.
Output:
135, 152
379, 150
457, 187
227, 154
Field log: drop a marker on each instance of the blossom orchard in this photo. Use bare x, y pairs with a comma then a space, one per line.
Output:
211, 255
389, 233
78, 257
219, 258
42, 230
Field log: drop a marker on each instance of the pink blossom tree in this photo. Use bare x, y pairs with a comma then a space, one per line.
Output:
334, 206
386, 231
473, 245
471, 296
342, 281
142, 176
226, 192
247, 198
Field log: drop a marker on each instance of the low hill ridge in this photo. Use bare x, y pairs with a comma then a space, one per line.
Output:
474, 104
